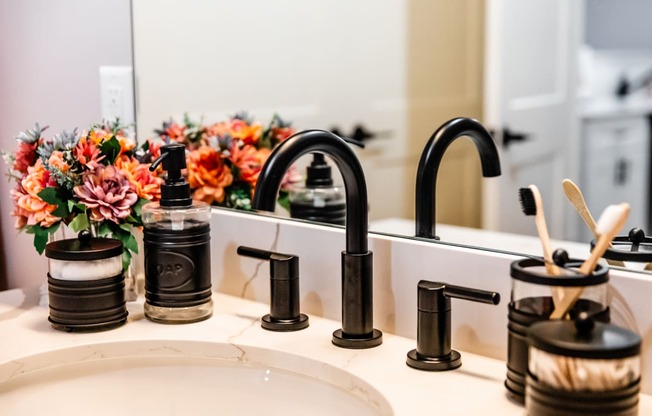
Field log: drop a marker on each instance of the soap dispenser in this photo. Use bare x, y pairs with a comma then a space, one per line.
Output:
177, 248
319, 200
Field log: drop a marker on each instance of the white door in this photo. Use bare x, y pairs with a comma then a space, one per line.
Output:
530, 82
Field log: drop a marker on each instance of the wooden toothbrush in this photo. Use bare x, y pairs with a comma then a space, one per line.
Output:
531, 204
609, 225
574, 195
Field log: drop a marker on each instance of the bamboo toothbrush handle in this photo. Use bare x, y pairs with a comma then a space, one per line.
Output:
571, 295
576, 198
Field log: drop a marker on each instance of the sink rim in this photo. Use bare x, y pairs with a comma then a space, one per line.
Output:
217, 353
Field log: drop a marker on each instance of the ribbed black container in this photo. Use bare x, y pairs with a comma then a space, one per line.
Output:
543, 400
87, 305
177, 266
525, 311
582, 367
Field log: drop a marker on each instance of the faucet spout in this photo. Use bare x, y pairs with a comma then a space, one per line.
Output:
431, 159
357, 266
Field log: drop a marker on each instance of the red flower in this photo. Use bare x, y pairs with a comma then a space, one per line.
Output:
25, 156
249, 161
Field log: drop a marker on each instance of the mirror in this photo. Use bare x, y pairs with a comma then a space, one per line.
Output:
402, 68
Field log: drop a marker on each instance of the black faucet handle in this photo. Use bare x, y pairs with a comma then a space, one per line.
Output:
433, 352
435, 296
281, 266
284, 312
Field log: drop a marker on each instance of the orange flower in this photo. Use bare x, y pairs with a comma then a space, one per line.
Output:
143, 182
126, 144
249, 161
249, 134
96, 136
56, 160
29, 208
87, 153
176, 132
208, 175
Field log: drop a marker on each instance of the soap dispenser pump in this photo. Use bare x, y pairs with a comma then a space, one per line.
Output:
319, 200
177, 247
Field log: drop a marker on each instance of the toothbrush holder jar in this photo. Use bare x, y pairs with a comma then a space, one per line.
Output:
581, 368
86, 284
532, 300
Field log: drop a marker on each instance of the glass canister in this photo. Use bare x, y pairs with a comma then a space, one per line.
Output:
633, 251
532, 294
582, 368
86, 287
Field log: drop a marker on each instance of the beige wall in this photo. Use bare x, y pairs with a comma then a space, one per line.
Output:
445, 70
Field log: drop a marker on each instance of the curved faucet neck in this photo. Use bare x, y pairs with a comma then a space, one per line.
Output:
426, 187
286, 153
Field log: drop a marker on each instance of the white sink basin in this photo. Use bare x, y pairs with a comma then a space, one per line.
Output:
181, 378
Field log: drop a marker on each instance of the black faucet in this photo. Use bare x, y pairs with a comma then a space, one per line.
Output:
431, 158
357, 265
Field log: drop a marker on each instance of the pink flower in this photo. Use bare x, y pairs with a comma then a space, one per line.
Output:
107, 193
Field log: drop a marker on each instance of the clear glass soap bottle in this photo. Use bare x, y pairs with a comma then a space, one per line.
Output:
176, 238
319, 200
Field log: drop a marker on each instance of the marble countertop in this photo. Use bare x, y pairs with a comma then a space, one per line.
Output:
475, 387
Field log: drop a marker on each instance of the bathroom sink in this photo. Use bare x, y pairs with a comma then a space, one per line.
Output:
181, 378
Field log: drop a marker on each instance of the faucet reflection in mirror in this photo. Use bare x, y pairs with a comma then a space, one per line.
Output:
431, 159
357, 267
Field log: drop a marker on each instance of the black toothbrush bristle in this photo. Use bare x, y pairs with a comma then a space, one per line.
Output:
528, 205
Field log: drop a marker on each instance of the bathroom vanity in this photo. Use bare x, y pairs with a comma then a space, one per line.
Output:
208, 365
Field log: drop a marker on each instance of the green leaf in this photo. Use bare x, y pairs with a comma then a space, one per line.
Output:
126, 259
284, 200
130, 243
80, 207
126, 227
128, 240
80, 223
137, 207
104, 230
71, 205
50, 196
110, 149
41, 235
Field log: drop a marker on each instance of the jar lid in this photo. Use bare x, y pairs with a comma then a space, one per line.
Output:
84, 248
584, 338
635, 246
525, 270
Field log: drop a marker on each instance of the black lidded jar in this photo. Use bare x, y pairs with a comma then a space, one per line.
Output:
531, 302
86, 286
582, 368
176, 239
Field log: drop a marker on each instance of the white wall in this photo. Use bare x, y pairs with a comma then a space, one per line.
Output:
50, 51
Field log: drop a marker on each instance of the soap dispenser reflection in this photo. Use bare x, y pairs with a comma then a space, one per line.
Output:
177, 247
319, 199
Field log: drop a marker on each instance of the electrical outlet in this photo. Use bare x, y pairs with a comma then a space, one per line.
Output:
117, 93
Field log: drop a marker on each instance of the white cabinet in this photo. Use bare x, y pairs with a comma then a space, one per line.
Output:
616, 167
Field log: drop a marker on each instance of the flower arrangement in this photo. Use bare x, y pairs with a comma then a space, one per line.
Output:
225, 158
97, 178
